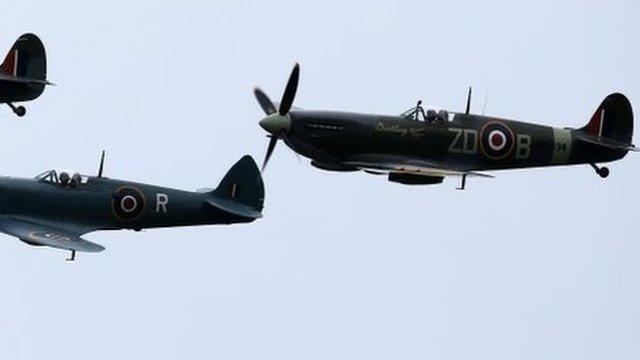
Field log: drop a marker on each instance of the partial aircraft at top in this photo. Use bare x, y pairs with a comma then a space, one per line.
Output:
421, 147
23, 73
56, 207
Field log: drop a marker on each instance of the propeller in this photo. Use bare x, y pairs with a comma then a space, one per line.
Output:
264, 101
273, 140
101, 168
277, 122
290, 91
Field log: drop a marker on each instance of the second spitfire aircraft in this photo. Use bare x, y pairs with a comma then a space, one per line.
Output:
56, 208
419, 147
23, 73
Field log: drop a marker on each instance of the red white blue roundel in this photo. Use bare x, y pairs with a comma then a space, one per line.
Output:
496, 140
128, 203
48, 235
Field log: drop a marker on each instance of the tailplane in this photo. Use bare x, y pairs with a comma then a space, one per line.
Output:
241, 191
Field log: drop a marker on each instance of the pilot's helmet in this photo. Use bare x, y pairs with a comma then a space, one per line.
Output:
431, 114
75, 179
64, 177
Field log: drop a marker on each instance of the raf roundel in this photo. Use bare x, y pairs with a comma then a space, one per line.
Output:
496, 140
47, 235
128, 203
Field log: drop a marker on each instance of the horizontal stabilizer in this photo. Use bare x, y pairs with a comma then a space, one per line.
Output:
23, 80
608, 143
234, 207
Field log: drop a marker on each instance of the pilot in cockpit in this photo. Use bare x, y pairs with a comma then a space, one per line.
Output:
442, 117
76, 180
430, 117
64, 178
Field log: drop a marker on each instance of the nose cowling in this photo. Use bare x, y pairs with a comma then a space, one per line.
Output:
276, 123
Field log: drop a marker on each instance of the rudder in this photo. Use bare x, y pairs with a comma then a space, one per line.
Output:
612, 120
243, 184
27, 58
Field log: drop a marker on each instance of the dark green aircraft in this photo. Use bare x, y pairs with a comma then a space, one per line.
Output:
421, 147
56, 208
23, 73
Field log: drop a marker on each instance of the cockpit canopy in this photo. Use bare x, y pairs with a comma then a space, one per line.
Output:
431, 116
65, 178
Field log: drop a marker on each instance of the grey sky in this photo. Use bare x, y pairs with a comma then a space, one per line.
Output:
532, 264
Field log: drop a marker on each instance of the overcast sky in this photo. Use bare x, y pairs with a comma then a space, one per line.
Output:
534, 264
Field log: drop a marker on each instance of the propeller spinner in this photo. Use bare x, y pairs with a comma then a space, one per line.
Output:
277, 123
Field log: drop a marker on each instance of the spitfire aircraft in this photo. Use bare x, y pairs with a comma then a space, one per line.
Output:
55, 208
23, 73
422, 147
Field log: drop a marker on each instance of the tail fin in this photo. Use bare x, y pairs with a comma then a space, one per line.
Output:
26, 59
613, 120
241, 191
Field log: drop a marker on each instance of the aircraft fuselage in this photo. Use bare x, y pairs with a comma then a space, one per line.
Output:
108, 204
470, 141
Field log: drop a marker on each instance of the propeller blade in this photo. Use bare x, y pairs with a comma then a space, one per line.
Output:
101, 168
272, 145
265, 103
468, 101
290, 91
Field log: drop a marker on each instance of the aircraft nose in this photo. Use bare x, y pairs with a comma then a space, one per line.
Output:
276, 123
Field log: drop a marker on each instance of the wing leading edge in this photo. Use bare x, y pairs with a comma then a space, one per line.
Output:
392, 164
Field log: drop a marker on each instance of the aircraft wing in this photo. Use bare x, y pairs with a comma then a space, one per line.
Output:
398, 164
24, 80
35, 233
